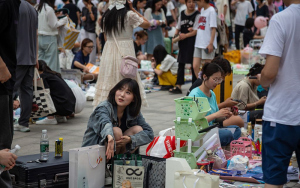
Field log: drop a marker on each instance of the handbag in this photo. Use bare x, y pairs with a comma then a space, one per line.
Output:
87, 166
129, 64
67, 35
42, 101
128, 171
155, 172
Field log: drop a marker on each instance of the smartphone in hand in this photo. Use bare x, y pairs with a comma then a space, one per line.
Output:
206, 50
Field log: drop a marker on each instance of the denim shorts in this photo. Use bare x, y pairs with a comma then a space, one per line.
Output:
278, 143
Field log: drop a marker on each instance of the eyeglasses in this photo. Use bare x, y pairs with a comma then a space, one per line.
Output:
218, 80
90, 47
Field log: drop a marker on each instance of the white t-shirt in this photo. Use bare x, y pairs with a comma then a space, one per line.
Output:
220, 6
282, 40
242, 11
204, 23
170, 6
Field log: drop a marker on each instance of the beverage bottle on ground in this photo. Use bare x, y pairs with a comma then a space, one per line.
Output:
44, 146
14, 151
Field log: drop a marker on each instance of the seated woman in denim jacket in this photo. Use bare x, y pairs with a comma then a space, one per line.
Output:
118, 122
212, 76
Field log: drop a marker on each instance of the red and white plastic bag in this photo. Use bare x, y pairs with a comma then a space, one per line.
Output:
163, 146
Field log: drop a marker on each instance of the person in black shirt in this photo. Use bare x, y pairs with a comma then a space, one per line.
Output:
61, 95
186, 44
89, 18
261, 9
74, 12
248, 33
9, 14
141, 39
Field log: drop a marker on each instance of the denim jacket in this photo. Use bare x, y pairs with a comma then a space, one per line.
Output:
104, 118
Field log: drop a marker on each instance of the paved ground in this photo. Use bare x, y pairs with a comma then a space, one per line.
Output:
159, 115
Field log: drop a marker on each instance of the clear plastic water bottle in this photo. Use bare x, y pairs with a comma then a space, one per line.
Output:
44, 146
14, 151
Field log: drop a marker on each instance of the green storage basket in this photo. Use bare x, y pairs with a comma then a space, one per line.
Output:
190, 158
189, 130
187, 107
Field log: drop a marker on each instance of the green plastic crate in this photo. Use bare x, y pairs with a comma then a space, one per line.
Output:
186, 107
189, 130
190, 158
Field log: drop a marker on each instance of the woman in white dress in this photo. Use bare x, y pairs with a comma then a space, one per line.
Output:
119, 19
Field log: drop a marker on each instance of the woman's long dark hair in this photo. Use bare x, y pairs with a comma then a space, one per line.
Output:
256, 69
159, 54
114, 20
153, 5
42, 2
134, 4
209, 69
133, 86
44, 68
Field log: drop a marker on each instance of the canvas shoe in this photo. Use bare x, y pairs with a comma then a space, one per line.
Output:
61, 119
21, 128
46, 121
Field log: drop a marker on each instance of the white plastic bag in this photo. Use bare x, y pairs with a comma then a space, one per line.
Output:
65, 59
239, 163
79, 95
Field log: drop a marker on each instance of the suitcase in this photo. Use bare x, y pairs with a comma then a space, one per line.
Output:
224, 90
53, 173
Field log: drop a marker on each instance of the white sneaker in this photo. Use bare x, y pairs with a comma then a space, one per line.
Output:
46, 121
61, 119
21, 128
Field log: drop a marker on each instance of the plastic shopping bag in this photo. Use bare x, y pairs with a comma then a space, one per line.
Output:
87, 167
162, 146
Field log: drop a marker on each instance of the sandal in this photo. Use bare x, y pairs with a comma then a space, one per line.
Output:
175, 90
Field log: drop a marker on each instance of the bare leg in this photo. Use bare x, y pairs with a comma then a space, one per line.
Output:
234, 120
273, 186
117, 135
90, 76
196, 65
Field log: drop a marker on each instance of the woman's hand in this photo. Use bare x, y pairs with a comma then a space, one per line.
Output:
7, 159
230, 102
124, 140
130, 5
182, 36
224, 112
86, 70
210, 48
83, 18
110, 147
90, 7
153, 65
262, 100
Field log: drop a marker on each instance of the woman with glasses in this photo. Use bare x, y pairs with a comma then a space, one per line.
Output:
141, 38
212, 76
82, 57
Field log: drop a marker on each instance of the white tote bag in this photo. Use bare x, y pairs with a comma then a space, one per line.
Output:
87, 167
42, 101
